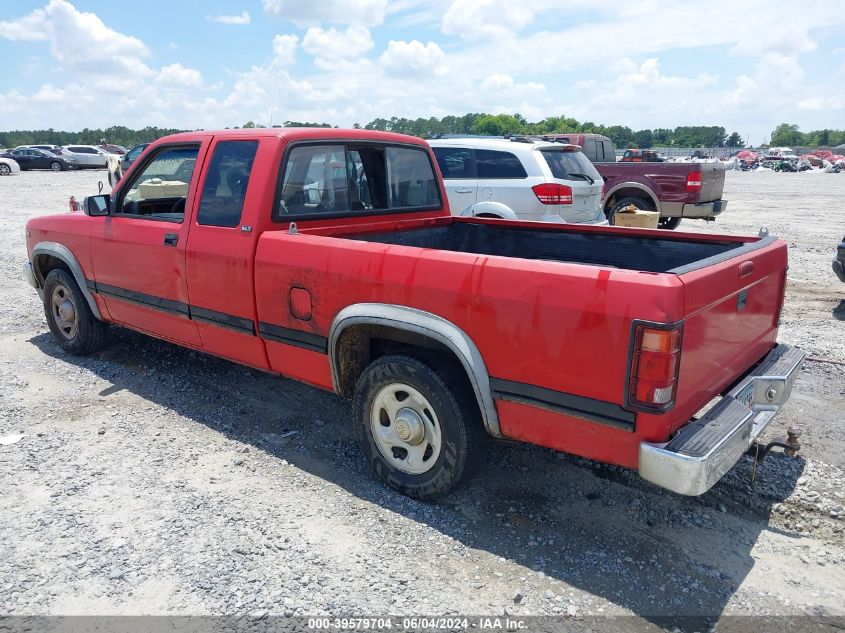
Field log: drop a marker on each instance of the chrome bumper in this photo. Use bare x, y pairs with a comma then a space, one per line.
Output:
704, 209
29, 275
704, 450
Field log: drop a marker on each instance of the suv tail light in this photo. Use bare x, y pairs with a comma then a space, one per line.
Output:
654, 364
694, 181
553, 193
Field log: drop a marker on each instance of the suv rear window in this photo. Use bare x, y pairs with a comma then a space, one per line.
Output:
493, 164
564, 163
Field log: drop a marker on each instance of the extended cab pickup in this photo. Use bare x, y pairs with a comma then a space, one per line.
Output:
330, 256
677, 190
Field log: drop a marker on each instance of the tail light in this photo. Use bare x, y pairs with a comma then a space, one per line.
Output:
694, 181
654, 365
553, 193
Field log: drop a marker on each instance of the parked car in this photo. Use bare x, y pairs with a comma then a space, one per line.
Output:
29, 158
55, 149
442, 330
8, 166
132, 155
86, 155
117, 150
839, 261
519, 179
676, 190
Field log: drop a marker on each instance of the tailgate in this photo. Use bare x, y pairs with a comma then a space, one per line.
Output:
732, 305
712, 182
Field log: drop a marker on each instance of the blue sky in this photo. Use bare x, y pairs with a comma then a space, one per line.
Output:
70, 64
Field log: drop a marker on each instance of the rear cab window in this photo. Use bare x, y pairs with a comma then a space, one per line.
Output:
564, 164
324, 180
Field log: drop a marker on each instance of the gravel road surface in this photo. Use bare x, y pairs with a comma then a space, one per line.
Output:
155, 480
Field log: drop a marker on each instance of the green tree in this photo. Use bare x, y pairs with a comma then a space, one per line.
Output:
498, 125
786, 134
643, 139
735, 140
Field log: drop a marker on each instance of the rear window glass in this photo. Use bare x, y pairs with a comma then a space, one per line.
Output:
565, 165
492, 164
329, 179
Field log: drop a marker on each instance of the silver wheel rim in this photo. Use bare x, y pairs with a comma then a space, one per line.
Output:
405, 428
5, 170
64, 312
56, 166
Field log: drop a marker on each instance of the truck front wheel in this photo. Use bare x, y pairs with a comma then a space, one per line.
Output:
72, 324
417, 428
669, 223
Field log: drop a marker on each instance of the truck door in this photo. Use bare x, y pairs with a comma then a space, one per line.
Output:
457, 164
138, 252
221, 249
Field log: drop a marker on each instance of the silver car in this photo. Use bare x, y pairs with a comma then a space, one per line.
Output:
87, 155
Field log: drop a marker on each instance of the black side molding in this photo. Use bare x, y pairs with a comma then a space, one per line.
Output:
297, 338
566, 403
229, 321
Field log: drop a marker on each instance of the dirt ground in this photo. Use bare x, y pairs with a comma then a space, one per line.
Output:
155, 480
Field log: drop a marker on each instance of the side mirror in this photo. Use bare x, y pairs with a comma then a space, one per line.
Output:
96, 206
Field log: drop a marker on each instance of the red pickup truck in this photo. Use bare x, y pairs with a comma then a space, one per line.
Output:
330, 256
676, 190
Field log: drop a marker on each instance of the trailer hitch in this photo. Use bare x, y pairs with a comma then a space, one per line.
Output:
759, 452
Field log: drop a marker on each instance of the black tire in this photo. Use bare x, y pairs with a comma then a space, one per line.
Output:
83, 333
56, 166
453, 410
5, 170
643, 204
669, 224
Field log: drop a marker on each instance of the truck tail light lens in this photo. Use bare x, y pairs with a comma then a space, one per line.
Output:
655, 362
553, 193
694, 181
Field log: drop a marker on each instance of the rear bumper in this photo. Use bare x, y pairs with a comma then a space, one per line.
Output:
704, 450
839, 269
698, 210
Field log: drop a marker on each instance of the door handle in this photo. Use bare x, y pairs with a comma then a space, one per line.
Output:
171, 239
463, 190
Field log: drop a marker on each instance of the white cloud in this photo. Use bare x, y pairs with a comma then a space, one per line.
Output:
284, 49
497, 81
335, 44
366, 12
177, 76
242, 19
413, 57
79, 40
487, 18
821, 104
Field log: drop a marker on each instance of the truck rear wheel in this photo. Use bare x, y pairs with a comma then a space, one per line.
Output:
669, 223
418, 430
72, 324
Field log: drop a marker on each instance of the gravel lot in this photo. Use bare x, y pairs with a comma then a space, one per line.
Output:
155, 480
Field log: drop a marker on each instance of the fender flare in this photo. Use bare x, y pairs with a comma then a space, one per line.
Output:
431, 326
63, 253
494, 208
635, 185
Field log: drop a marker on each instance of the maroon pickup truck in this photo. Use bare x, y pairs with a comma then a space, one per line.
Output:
677, 190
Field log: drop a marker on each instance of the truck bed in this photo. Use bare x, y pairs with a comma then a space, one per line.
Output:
648, 253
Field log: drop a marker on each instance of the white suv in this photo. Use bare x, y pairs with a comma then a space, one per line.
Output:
519, 178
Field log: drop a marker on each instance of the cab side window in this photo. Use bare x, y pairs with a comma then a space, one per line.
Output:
159, 191
224, 191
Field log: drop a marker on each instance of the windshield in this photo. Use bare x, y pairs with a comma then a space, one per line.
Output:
566, 165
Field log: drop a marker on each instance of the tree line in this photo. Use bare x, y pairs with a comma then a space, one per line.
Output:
622, 136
